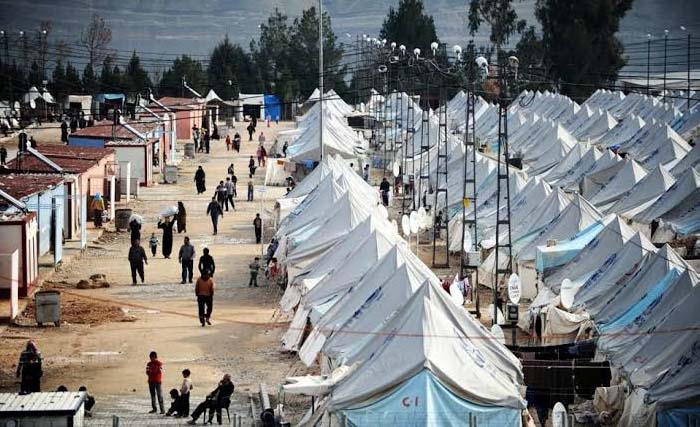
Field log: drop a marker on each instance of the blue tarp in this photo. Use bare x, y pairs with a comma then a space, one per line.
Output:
102, 97
273, 109
680, 417
565, 251
636, 312
423, 401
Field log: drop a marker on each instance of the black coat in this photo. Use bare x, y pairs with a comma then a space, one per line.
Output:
167, 237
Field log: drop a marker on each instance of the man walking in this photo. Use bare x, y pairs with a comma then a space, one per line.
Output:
154, 371
214, 211
250, 190
230, 191
384, 188
254, 267
186, 258
3, 155
206, 263
204, 291
221, 194
195, 138
137, 258
257, 224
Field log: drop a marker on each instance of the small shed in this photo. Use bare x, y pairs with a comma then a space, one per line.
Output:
74, 105
55, 409
19, 263
252, 104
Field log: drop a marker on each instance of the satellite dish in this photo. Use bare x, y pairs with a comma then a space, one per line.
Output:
424, 218
497, 333
406, 225
456, 295
567, 294
415, 222
395, 169
559, 415
383, 211
514, 289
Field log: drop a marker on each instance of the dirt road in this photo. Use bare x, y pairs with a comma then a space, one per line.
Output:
161, 315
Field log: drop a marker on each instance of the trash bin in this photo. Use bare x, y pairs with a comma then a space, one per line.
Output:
121, 220
47, 307
189, 150
170, 174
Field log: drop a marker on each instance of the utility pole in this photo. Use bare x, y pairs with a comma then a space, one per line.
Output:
648, 60
320, 74
665, 45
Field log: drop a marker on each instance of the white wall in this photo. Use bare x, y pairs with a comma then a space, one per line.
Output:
137, 157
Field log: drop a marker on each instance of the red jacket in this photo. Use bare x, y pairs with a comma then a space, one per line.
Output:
154, 370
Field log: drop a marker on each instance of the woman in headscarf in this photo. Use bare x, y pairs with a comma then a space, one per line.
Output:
29, 369
181, 218
199, 179
167, 225
98, 207
135, 227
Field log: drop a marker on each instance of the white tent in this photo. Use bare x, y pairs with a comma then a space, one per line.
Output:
643, 194
692, 159
687, 187
624, 180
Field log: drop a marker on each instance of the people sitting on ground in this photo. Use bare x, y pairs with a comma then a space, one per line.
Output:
216, 400
89, 401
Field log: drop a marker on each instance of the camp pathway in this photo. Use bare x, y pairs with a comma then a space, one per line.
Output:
244, 338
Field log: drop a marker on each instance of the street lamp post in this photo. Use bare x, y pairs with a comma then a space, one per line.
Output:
665, 45
648, 60
320, 75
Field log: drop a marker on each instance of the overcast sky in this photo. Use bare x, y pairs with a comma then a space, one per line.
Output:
194, 27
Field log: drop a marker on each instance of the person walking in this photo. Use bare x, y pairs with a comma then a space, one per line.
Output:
365, 173
29, 369
284, 149
254, 268
261, 139
230, 191
257, 224
204, 291
98, 207
230, 170
234, 181
250, 190
195, 137
200, 179
135, 228
153, 243
237, 142
181, 218
258, 154
154, 372
221, 194
251, 131
214, 211
263, 155
167, 225
251, 165
384, 189
3, 155
206, 263
137, 258
64, 132
207, 140
186, 259
228, 143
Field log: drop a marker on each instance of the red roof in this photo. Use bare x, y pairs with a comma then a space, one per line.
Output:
71, 159
103, 129
24, 185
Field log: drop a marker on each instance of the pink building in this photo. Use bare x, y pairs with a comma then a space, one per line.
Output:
188, 112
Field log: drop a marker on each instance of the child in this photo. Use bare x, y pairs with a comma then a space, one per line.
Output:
175, 405
185, 389
254, 267
153, 243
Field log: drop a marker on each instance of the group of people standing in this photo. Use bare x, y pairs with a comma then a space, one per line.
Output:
202, 138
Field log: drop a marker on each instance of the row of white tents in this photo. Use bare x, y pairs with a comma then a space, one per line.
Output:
392, 345
595, 178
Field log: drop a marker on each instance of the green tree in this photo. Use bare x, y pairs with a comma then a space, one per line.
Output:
90, 83
135, 77
304, 50
72, 80
499, 15
110, 76
230, 70
57, 85
581, 51
271, 54
409, 25
34, 77
187, 68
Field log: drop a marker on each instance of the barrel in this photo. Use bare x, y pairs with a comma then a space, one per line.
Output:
189, 150
121, 218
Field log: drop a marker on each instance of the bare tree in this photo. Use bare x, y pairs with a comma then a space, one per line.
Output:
95, 38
